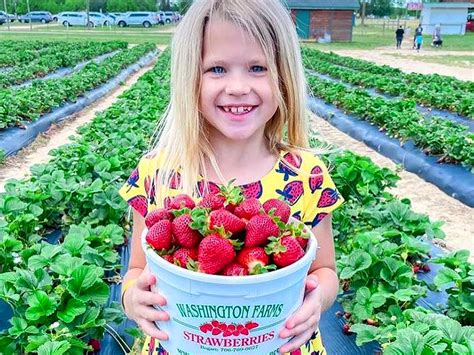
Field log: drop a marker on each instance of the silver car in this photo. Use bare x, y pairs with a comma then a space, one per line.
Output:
76, 19
102, 19
145, 19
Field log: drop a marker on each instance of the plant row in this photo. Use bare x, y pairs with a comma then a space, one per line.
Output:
450, 141
77, 192
58, 292
66, 55
15, 52
382, 250
29, 103
431, 82
435, 95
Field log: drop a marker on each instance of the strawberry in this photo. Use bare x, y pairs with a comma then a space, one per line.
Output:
95, 344
156, 216
259, 229
285, 250
181, 201
346, 329
248, 208
328, 198
185, 236
298, 232
214, 254
225, 219
416, 268
372, 321
251, 325
212, 201
426, 268
281, 209
234, 269
255, 260
159, 235
206, 327
183, 255
169, 258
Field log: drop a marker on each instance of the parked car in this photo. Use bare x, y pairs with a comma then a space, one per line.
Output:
9, 17
37, 16
76, 19
3, 17
102, 19
145, 19
470, 22
170, 17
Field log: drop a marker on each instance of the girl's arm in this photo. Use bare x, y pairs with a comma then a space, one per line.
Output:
137, 298
137, 256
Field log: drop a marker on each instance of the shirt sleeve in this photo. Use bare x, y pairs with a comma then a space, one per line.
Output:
321, 195
138, 189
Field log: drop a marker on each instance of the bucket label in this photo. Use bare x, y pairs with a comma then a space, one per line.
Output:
212, 333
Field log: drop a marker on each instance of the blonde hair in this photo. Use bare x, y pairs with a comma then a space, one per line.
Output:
181, 137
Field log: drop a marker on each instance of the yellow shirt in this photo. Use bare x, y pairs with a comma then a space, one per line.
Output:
309, 191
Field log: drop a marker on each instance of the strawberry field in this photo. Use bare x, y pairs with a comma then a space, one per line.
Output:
64, 228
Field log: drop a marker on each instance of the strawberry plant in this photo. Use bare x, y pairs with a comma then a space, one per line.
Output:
459, 274
66, 54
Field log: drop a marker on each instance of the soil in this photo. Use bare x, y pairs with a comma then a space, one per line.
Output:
409, 65
425, 197
17, 166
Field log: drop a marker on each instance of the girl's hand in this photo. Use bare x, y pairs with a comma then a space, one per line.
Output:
138, 301
302, 324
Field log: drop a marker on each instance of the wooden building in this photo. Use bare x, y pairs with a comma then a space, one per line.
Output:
324, 19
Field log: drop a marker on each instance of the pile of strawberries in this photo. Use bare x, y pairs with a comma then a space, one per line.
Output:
215, 328
226, 234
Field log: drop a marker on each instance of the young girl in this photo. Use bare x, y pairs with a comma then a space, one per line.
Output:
237, 83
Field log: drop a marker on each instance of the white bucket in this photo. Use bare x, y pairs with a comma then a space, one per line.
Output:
194, 299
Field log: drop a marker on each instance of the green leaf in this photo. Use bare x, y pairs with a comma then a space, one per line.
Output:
82, 278
446, 276
40, 305
73, 309
365, 333
405, 295
358, 260
18, 326
460, 349
408, 342
450, 328
74, 242
54, 348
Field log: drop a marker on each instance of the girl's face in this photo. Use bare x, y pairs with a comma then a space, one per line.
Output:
236, 97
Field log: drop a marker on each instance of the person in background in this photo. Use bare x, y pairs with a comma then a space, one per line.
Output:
399, 36
418, 31
437, 41
418, 41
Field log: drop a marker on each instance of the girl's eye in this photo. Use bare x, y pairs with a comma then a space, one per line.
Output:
257, 68
217, 70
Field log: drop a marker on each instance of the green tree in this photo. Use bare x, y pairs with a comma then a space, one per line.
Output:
183, 5
380, 7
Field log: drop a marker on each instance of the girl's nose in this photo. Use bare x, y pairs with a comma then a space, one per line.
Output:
237, 86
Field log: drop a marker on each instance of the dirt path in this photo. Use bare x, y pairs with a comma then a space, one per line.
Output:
382, 56
18, 166
425, 197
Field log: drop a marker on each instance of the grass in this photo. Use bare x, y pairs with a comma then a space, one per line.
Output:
56, 32
370, 36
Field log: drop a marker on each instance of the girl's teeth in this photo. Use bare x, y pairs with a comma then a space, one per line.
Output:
237, 110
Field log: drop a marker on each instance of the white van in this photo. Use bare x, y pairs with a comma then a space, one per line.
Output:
76, 19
